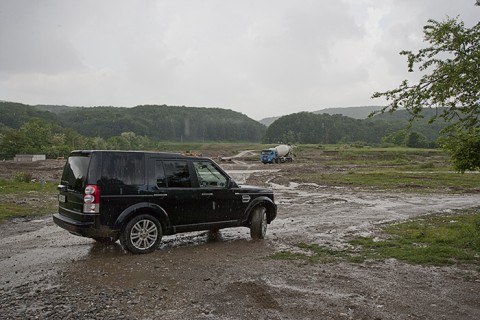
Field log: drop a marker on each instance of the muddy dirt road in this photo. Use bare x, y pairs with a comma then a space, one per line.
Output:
46, 273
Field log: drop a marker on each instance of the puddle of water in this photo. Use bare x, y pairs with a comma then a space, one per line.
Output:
241, 176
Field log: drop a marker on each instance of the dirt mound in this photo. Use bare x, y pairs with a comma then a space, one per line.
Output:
46, 170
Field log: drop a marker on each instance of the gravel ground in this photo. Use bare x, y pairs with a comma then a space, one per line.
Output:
46, 273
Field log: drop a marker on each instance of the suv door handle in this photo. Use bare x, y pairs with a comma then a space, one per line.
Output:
207, 194
160, 195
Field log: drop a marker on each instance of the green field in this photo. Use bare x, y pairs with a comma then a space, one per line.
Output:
431, 240
401, 169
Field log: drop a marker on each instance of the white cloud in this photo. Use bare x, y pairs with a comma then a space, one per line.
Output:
261, 58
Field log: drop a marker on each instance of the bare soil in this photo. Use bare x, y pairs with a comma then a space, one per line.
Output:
46, 273
40, 171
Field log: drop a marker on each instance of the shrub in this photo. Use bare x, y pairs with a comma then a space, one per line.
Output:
23, 177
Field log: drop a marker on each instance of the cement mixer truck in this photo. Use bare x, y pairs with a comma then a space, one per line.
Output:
281, 153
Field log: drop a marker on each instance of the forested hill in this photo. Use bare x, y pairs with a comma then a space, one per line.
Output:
14, 115
165, 123
351, 112
154, 121
191, 124
307, 127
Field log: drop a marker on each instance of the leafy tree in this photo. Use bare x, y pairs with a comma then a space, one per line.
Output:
450, 84
466, 150
415, 140
289, 137
397, 138
74, 140
59, 146
33, 136
38, 136
12, 142
128, 141
97, 143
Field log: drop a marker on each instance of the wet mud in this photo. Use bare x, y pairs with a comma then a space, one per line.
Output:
46, 273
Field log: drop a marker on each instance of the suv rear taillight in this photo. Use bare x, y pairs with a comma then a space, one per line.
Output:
91, 199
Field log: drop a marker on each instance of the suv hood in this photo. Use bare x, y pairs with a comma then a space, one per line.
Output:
255, 188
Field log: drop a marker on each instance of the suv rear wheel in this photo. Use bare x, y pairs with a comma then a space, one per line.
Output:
142, 234
258, 224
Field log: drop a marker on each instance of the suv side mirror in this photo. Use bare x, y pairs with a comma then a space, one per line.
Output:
230, 183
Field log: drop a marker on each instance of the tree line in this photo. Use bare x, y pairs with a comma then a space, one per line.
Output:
164, 123
27, 129
158, 122
55, 131
37, 136
386, 129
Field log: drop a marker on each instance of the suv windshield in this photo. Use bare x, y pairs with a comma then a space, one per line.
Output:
75, 172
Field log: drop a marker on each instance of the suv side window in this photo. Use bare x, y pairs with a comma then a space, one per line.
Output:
208, 175
177, 174
126, 169
160, 179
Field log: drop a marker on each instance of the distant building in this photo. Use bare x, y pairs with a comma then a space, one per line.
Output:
29, 157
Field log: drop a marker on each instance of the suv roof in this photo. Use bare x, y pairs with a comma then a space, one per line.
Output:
162, 154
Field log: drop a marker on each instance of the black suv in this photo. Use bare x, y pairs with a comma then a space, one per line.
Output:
139, 196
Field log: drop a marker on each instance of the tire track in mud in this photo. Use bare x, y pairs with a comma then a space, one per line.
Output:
256, 292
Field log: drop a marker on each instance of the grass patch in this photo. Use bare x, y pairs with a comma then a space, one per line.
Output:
17, 187
410, 180
26, 199
19, 208
433, 240
405, 169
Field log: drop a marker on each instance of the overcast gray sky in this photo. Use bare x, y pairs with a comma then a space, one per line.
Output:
259, 57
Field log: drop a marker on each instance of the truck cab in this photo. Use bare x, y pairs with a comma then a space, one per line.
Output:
268, 155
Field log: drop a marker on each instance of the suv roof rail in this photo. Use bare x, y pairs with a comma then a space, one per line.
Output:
163, 154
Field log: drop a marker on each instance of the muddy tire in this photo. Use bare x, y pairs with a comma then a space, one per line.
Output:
142, 234
258, 224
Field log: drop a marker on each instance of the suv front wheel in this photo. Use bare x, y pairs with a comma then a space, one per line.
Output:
258, 224
142, 234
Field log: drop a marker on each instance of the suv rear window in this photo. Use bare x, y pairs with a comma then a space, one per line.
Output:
75, 172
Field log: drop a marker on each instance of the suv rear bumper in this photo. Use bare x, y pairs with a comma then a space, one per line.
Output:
82, 228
